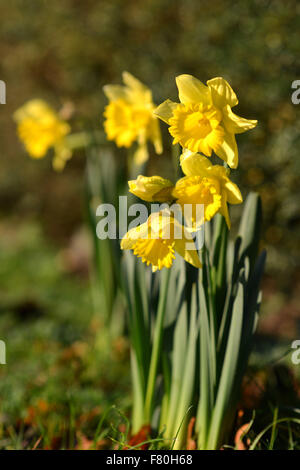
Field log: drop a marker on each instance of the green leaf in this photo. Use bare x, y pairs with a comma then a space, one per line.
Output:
178, 365
207, 372
250, 227
188, 378
222, 406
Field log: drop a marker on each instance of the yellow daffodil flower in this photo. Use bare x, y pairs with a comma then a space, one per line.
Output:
157, 240
203, 120
129, 117
40, 128
205, 184
152, 188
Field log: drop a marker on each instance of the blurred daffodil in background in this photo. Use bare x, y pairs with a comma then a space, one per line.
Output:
205, 184
157, 240
203, 120
129, 117
40, 128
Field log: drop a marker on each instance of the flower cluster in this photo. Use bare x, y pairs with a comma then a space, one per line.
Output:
203, 183
203, 121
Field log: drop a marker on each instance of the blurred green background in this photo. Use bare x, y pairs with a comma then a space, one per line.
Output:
64, 51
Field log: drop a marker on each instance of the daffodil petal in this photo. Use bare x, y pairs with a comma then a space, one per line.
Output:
34, 109
157, 142
191, 90
185, 245
136, 91
228, 151
221, 93
160, 222
155, 136
219, 172
115, 92
186, 248
62, 153
133, 82
193, 163
236, 124
141, 154
134, 234
165, 110
224, 209
234, 195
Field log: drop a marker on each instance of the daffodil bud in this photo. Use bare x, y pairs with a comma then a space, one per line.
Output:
150, 189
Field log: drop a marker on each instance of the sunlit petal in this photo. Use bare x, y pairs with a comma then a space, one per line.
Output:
234, 195
193, 163
165, 110
228, 151
222, 93
236, 124
191, 90
224, 209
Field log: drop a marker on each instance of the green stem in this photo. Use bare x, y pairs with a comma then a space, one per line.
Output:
176, 161
137, 410
156, 349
